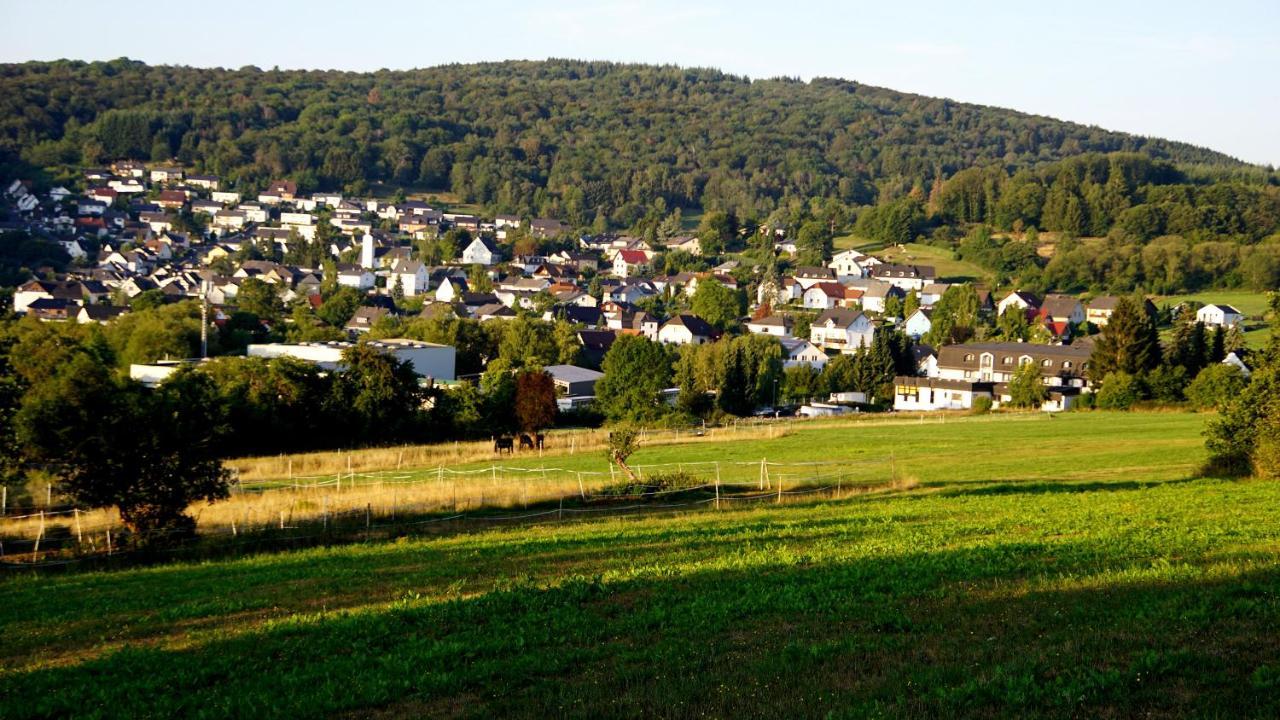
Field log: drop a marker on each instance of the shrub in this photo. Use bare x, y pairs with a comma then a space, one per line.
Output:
649, 486
981, 405
1120, 391
1215, 386
1167, 383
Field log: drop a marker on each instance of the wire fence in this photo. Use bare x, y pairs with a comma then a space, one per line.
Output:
357, 505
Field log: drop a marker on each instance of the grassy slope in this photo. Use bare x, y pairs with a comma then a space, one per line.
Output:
944, 262
1060, 567
1252, 304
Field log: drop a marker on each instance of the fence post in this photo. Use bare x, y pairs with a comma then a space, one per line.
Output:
582, 490
560, 514
290, 469
4, 500
324, 511
779, 488
108, 541
234, 532
36, 550
281, 519
79, 535
48, 495
368, 514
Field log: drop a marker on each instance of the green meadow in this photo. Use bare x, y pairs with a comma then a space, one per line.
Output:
1072, 566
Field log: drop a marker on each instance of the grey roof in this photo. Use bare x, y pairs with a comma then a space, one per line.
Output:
572, 373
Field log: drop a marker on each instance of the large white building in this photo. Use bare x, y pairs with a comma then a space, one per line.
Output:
427, 359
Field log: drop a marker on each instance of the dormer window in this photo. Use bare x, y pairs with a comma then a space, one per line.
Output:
1046, 362
1006, 360
968, 358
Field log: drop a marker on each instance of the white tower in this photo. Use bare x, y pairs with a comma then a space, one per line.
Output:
366, 252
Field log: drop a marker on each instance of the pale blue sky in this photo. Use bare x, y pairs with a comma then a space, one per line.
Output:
1203, 72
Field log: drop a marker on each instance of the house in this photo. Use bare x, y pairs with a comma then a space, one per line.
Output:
797, 351
686, 330
481, 251
101, 314
365, 318
411, 275
777, 325
208, 182
573, 381
229, 219
171, 199
284, 189
877, 292
506, 221
917, 394
1059, 365
166, 174
918, 324
1024, 300
841, 329
823, 295
225, 197
810, 276
630, 262
1219, 316
1238, 359
543, 228
53, 309
492, 311
904, 277
1062, 309
691, 245
450, 289
355, 276
67, 290
595, 344
932, 293
851, 264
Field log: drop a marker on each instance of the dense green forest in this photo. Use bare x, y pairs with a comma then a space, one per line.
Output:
560, 138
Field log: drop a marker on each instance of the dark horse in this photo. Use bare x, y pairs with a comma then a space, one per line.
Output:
526, 442
504, 444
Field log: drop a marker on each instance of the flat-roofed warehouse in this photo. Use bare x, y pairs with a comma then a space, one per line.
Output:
428, 360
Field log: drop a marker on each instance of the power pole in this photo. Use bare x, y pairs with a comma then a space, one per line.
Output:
204, 319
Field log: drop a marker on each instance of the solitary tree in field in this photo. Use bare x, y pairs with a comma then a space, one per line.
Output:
623, 441
535, 400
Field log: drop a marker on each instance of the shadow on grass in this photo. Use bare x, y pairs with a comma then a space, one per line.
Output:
1039, 487
945, 633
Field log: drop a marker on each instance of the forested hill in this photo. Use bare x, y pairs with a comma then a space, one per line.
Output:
577, 140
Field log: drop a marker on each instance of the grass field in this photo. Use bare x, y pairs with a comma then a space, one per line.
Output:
1063, 567
1252, 304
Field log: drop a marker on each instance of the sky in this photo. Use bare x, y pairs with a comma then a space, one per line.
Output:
1207, 73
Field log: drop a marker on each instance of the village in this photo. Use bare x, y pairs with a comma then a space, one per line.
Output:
172, 235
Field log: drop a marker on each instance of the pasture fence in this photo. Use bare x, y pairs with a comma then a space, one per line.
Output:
364, 505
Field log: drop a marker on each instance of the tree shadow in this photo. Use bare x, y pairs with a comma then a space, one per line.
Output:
986, 631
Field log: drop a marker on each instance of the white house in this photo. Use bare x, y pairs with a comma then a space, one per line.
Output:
1219, 315
904, 277
481, 251
686, 330
630, 262
802, 352
918, 324
356, 277
913, 393
450, 289
427, 359
777, 325
841, 329
851, 264
823, 295
412, 276
1018, 299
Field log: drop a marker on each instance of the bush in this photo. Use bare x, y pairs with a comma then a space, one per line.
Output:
1120, 391
649, 486
1167, 383
1215, 386
981, 405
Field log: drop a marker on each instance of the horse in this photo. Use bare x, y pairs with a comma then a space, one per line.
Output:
502, 444
526, 442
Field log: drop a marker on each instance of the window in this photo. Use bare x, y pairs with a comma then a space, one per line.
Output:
1066, 364
968, 358
1046, 362
1006, 360
1024, 360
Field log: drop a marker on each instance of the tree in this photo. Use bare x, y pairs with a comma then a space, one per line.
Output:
623, 441
478, 280
535, 400
260, 298
716, 231
1027, 388
636, 372
955, 316
717, 304
379, 394
801, 383
1237, 440
1129, 343
110, 443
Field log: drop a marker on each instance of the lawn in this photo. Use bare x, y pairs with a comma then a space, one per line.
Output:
943, 261
1252, 304
1060, 567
